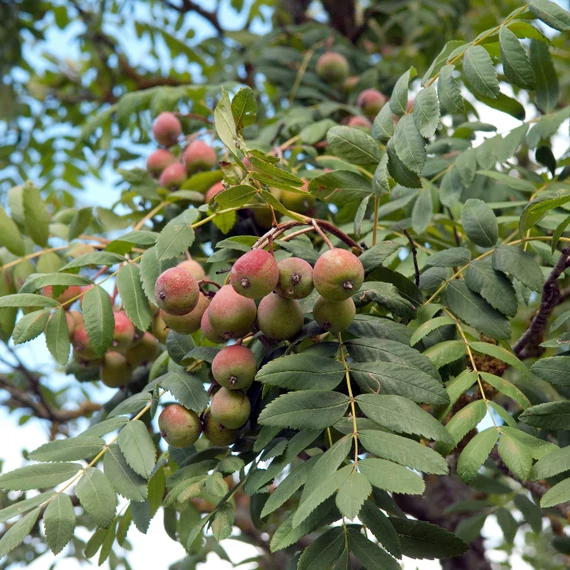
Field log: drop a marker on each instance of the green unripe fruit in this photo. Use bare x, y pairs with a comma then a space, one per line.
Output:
279, 318
199, 156
208, 331
116, 370
255, 274
145, 351
332, 67
166, 129
218, 434
234, 367
186, 324
231, 315
178, 426
231, 408
195, 269
334, 316
295, 278
124, 334
158, 160
176, 291
371, 102
159, 328
338, 274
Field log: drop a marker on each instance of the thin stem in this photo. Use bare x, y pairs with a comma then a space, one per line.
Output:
375, 223
351, 396
322, 234
153, 212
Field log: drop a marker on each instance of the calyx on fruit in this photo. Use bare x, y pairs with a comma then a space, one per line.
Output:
338, 274
295, 278
334, 316
234, 367
255, 274
216, 433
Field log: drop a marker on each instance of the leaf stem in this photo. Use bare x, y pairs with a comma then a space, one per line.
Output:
351, 396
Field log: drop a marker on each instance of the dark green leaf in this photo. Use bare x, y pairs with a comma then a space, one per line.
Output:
383, 126
353, 145
244, 107
30, 326
399, 98
551, 14
177, 236
36, 215
59, 522
476, 452
57, 336
138, 448
99, 319
381, 527
552, 415
479, 223
426, 111
125, 481
70, 449
516, 66
97, 497
134, 300
324, 551
547, 89
480, 71
409, 144
399, 171
519, 264
186, 388
448, 91
368, 553
352, 494
451, 257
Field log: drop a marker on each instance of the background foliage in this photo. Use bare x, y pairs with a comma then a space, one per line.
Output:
445, 401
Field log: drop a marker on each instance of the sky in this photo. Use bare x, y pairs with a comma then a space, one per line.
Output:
156, 548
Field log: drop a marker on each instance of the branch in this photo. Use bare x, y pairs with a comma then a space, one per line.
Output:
414, 255
190, 6
532, 337
342, 15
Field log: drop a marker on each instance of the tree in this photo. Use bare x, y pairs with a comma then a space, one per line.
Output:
407, 379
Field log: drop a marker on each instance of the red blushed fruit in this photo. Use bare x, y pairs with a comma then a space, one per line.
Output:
213, 191
70, 293
231, 315
195, 269
176, 291
371, 101
199, 156
255, 274
178, 426
82, 344
173, 176
234, 367
359, 121
332, 67
166, 129
338, 274
124, 334
189, 323
158, 160
208, 331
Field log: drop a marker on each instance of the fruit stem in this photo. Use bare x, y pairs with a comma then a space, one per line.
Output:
351, 396
322, 234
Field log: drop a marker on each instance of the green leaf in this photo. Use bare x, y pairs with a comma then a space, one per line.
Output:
551, 464
511, 181
302, 371
439, 62
479, 223
560, 493
137, 238
138, 448
508, 524
186, 388
80, 222
547, 90
353, 145
244, 107
36, 215
493, 286
134, 300
420, 539
340, 187
375, 256
403, 416
38, 476
131, 405
59, 522
466, 166
24, 506
537, 209
425, 328
38, 280
368, 553
125, 481
552, 415
177, 236
383, 125
475, 453
99, 258
70, 449
422, 211
225, 123
539, 448
223, 521
27, 300
551, 14
381, 527
403, 451
409, 144
178, 346
448, 91
445, 352
307, 409
500, 353
466, 419
519, 264
236, 196
16, 533
426, 111
451, 257
352, 494
480, 71
516, 455
399, 98
99, 319
475, 311
10, 236
57, 336
530, 511
555, 370
506, 388
97, 497
516, 65
324, 551
399, 171
30, 326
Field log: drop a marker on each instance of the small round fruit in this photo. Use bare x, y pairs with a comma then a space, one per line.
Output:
158, 160
189, 323
124, 334
359, 121
144, 352
216, 433
70, 293
334, 316
213, 191
295, 278
371, 102
199, 156
279, 318
332, 67
234, 367
195, 268
173, 176
300, 202
176, 291
116, 371
82, 344
159, 328
255, 274
338, 274
350, 83
178, 426
208, 331
166, 129
230, 314
231, 408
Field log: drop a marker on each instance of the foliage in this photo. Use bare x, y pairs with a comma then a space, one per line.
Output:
452, 364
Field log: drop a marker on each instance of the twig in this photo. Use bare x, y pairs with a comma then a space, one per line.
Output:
455, 234
322, 234
414, 255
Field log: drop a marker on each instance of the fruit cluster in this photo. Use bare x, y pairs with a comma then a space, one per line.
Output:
233, 314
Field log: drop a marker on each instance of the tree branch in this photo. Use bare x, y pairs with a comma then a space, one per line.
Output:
190, 6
